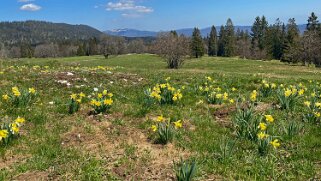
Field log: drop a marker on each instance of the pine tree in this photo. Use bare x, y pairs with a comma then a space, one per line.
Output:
275, 40
259, 30
221, 44
313, 23
81, 50
291, 45
197, 46
212, 42
229, 41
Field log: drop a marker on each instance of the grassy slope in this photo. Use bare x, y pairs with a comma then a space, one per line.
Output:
59, 146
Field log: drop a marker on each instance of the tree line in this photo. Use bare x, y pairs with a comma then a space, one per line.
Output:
281, 41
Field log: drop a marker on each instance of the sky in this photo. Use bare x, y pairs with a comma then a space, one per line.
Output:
156, 15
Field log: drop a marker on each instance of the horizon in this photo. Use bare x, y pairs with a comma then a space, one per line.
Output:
154, 15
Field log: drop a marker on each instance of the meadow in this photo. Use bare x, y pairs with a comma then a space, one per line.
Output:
130, 118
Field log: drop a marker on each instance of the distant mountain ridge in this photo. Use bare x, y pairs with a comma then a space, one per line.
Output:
187, 31
36, 32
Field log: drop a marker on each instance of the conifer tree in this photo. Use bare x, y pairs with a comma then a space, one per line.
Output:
221, 44
313, 23
197, 46
212, 42
230, 40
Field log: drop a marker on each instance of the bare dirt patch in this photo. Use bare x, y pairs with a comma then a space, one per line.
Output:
110, 142
33, 176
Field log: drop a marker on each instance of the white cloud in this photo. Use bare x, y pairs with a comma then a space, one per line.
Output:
24, 1
30, 7
128, 5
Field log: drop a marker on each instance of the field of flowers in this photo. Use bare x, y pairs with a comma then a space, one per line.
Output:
130, 118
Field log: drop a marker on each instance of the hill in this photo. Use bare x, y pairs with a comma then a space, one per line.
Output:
36, 32
187, 31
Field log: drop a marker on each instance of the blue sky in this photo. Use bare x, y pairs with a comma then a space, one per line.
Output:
156, 14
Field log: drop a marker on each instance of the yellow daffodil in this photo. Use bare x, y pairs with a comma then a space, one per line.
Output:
154, 128
32, 90
174, 98
262, 126
5, 97
275, 143
219, 96
100, 95
16, 91
287, 93
253, 96
273, 85
73, 96
82, 95
108, 102
14, 128
3, 134
269, 118
234, 89
231, 101
318, 104
317, 114
301, 92
307, 103
262, 135
105, 92
19, 120
160, 118
178, 124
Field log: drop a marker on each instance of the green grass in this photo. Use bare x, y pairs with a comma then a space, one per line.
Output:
120, 146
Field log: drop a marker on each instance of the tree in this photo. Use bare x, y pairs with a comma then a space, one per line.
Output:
220, 51
81, 50
172, 48
26, 51
258, 42
276, 37
46, 50
197, 45
291, 45
313, 23
229, 41
212, 42
243, 44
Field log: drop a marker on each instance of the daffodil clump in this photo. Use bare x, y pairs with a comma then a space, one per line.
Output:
9, 129
166, 129
267, 88
246, 123
207, 86
213, 93
75, 102
103, 102
265, 141
219, 97
313, 108
289, 96
164, 93
20, 98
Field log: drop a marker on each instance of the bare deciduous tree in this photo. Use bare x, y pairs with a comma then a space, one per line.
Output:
46, 50
172, 48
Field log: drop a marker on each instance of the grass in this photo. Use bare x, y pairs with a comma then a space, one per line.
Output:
119, 146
